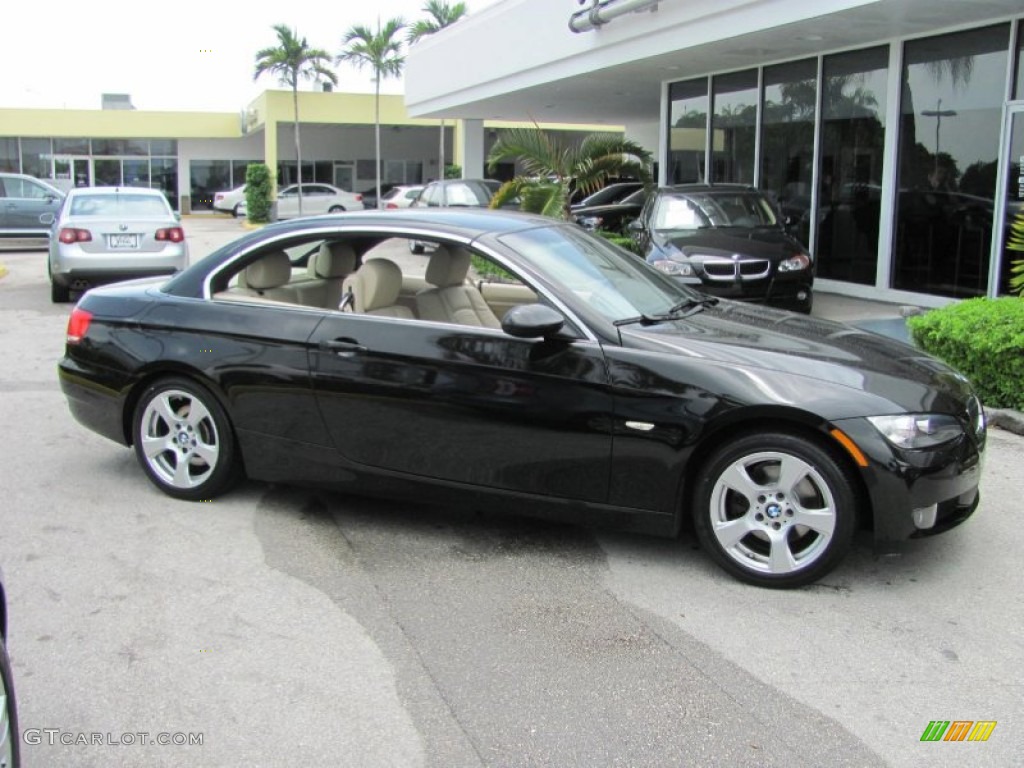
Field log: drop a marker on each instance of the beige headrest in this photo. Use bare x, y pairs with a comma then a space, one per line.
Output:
447, 267
333, 260
376, 284
271, 271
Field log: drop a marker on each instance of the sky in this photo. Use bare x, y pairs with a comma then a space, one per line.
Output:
178, 56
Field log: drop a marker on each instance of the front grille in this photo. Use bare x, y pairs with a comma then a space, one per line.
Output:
742, 269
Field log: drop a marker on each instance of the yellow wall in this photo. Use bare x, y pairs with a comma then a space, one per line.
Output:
118, 123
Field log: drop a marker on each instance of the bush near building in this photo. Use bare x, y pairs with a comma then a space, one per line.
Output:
984, 340
258, 183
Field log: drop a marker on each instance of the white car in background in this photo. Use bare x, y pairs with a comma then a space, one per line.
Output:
401, 196
317, 199
229, 200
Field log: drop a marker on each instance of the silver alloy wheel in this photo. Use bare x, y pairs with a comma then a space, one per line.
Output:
772, 513
179, 439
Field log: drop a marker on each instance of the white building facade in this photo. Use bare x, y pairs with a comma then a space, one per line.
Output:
891, 132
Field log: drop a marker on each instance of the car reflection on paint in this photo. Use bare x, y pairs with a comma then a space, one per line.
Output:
579, 384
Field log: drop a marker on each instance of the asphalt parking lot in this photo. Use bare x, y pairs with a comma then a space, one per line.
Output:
286, 626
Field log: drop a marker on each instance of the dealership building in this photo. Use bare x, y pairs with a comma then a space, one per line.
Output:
891, 132
191, 155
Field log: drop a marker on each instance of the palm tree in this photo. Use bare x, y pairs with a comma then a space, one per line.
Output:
291, 61
382, 53
441, 15
553, 171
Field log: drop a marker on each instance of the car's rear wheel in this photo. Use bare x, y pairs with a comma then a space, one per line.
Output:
9, 733
234, 211
59, 294
336, 209
183, 440
775, 510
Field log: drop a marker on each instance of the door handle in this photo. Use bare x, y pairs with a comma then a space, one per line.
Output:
343, 347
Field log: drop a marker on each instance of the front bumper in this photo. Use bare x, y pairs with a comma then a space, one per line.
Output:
940, 484
785, 290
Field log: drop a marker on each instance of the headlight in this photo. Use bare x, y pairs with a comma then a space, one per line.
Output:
670, 267
590, 222
795, 263
917, 430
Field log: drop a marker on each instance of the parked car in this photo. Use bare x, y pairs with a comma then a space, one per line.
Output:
609, 194
370, 194
317, 199
611, 217
27, 206
728, 241
457, 193
229, 201
106, 234
585, 385
10, 735
401, 196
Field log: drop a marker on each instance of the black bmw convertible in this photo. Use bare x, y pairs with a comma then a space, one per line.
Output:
526, 366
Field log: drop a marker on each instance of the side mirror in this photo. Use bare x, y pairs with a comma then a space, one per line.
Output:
635, 226
532, 321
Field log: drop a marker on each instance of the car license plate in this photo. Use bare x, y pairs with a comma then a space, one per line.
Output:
123, 241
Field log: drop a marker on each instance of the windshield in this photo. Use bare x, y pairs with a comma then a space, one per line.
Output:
704, 210
119, 205
604, 277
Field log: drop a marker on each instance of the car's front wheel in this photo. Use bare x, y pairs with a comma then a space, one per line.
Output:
775, 509
183, 440
9, 733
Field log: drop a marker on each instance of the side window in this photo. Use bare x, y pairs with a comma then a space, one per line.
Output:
15, 188
35, 191
432, 196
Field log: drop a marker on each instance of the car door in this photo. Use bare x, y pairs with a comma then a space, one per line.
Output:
29, 206
465, 404
288, 202
316, 199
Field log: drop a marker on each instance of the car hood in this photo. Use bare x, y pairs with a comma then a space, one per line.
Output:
801, 358
764, 242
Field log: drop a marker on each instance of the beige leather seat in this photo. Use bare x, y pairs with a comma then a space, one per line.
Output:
327, 271
264, 278
375, 287
451, 299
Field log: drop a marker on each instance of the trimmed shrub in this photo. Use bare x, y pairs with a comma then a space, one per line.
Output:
453, 171
623, 241
984, 340
258, 182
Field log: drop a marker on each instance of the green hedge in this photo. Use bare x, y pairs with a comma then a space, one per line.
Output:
257, 192
984, 340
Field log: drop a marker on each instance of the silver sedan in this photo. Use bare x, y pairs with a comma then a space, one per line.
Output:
106, 234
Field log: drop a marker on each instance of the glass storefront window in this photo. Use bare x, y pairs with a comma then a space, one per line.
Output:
107, 172
110, 147
787, 140
208, 176
238, 171
9, 156
165, 178
734, 127
1014, 198
71, 146
1018, 91
850, 173
36, 158
136, 172
953, 89
163, 146
687, 132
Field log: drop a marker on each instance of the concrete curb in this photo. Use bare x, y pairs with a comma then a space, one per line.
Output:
1006, 418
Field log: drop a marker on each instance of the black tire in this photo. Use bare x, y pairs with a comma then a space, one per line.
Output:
336, 209
234, 211
769, 533
10, 734
59, 294
186, 455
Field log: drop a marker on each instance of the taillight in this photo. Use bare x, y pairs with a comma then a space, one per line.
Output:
218, 197
173, 234
78, 325
390, 205
359, 197
69, 235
